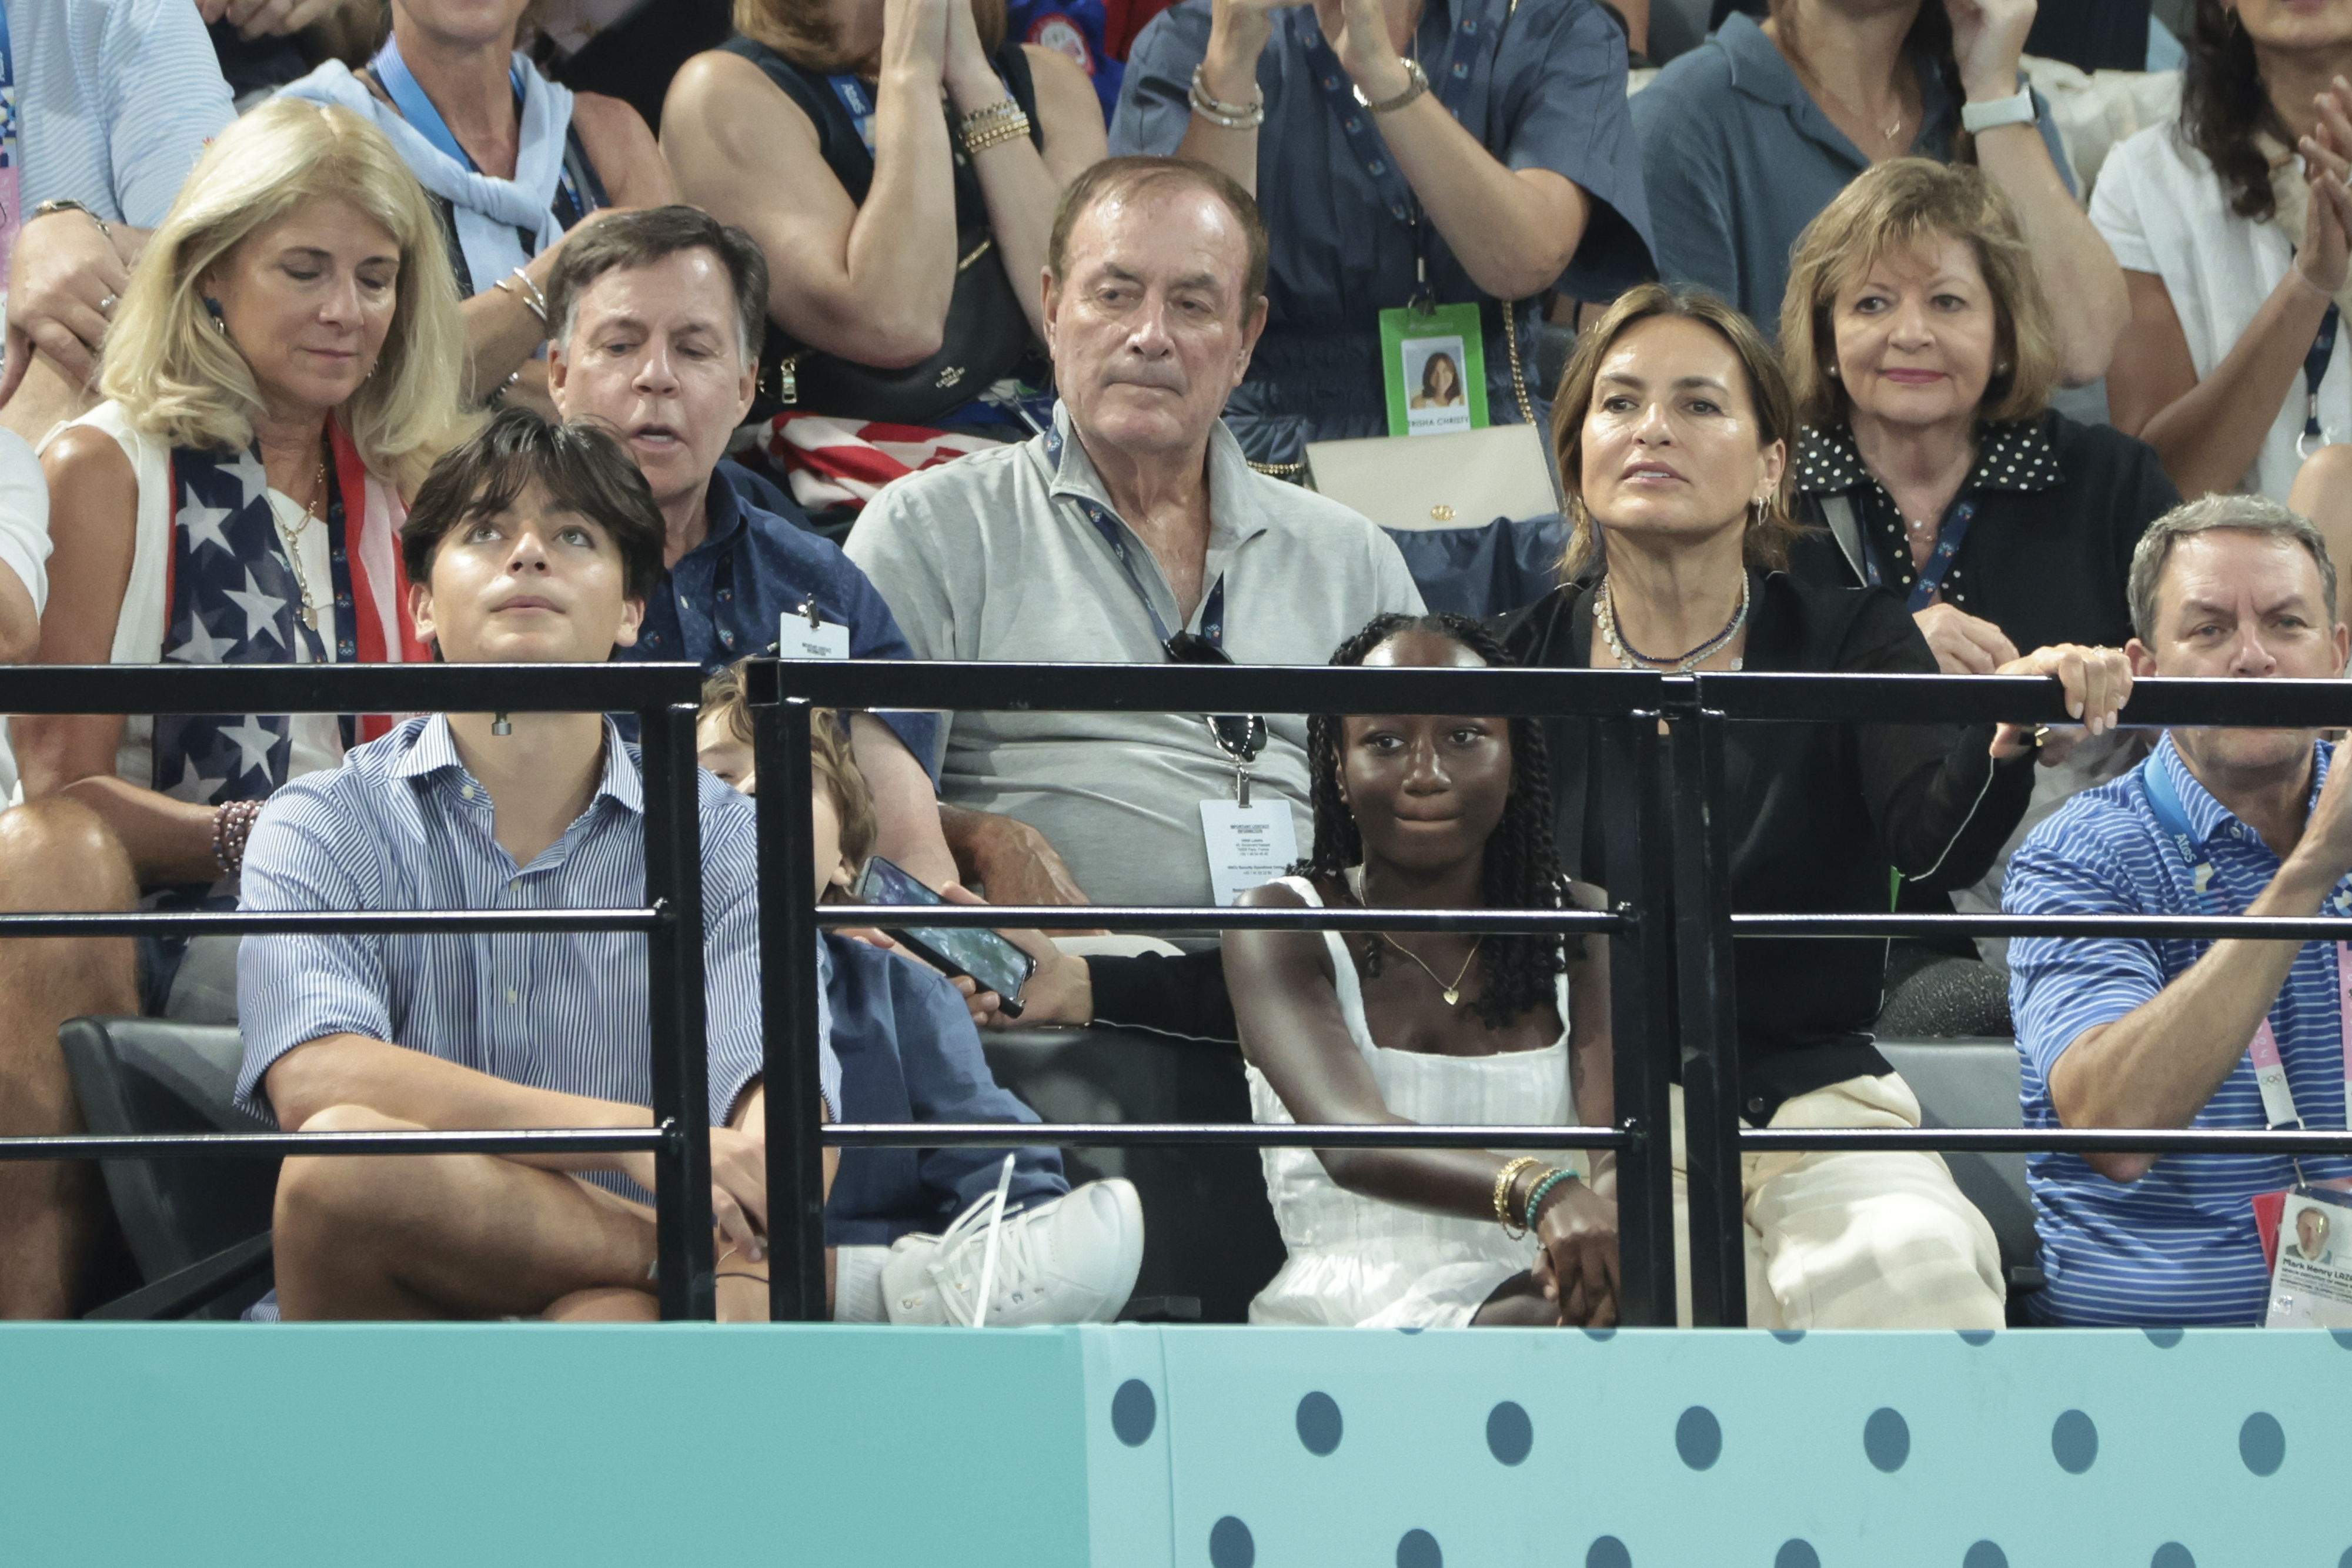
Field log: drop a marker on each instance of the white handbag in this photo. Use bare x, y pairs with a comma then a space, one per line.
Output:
1464, 479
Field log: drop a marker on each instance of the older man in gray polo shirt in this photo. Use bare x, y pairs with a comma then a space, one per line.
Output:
1134, 517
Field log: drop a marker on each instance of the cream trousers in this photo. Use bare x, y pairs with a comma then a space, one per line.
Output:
1853, 1240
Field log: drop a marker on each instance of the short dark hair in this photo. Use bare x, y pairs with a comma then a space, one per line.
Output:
648, 234
582, 468
1131, 176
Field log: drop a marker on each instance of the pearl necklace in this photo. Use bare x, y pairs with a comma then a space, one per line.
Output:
1629, 658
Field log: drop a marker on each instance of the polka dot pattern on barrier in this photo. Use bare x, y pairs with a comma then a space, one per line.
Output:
2073, 1442
1886, 1439
1318, 1425
1134, 1413
1699, 1438
1509, 1434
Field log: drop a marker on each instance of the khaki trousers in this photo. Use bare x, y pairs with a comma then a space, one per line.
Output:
1853, 1240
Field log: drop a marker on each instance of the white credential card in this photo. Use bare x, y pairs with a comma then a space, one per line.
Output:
1248, 845
796, 639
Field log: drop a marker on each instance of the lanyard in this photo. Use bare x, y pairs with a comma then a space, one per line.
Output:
2315, 369
859, 105
417, 108
2270, 1072
1954, 533
1212, 607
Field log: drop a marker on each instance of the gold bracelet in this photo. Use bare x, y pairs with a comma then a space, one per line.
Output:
1503, 1180
975, 143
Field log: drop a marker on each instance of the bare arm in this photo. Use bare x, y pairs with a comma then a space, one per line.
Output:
93, 511
2158, 1064
2076, 269
502, 332
1238, 31
1514, 231
20, 629
1021, 184
905, 809
2209, 433
870, 282
1287, 1002
411, 1086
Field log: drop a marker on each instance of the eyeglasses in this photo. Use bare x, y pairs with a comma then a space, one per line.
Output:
1241, 737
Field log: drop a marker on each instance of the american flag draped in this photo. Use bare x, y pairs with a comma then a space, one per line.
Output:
234, 598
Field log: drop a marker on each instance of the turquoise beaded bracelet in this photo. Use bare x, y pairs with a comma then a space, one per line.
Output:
1534, 1209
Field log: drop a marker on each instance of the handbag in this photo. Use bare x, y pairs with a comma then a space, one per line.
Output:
1464, 479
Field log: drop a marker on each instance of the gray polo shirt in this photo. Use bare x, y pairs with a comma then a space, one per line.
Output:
1739, 158
994, 557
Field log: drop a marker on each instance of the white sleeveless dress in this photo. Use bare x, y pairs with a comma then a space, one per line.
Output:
1361, 1262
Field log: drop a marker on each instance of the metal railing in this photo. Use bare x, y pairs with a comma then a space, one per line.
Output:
1660, 740
1674, 1006
663, 699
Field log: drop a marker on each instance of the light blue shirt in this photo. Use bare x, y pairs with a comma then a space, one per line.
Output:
116, 100
2177, 1246
1739, 158
403, 825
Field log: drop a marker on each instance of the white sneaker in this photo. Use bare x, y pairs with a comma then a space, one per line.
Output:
1073, 1261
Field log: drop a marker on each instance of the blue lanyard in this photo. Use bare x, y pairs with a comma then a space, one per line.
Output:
1954, 534
1212, 607
2314, 371
860, 105
417, 108
2172, 821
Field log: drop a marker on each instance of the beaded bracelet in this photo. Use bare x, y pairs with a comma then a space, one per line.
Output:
979, 141
232, 826
1503, 1180
1551, 1179
1226, 116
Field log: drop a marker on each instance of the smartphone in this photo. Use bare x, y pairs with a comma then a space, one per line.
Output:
993, 964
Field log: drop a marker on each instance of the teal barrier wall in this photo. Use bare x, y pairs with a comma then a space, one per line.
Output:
1203, 1447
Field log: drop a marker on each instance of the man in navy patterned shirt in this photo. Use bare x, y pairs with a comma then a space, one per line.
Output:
531, 543
2127, 1032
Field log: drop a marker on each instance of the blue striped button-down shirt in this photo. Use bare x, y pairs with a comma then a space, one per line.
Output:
403, 825
2178, 1246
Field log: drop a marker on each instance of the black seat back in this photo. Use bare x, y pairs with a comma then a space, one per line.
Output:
153, 1075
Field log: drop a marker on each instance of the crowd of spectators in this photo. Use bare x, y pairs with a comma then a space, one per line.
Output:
340, 332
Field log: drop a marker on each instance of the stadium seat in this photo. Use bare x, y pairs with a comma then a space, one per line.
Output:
1208, 1231
1975, 1084
198, 1228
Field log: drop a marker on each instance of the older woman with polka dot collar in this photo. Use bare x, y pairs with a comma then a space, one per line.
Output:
1922, 354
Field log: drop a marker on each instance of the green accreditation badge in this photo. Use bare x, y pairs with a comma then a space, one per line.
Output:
1435, 360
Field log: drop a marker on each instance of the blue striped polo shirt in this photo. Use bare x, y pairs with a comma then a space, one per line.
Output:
2178, 1246
403, 825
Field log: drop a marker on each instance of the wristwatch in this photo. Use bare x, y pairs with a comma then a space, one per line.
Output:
1413, 89
68, 205
1977, 119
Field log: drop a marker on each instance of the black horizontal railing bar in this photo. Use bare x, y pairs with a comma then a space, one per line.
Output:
2292, 929
1197, 917
260, 1145
1200, 688
346, 689
2020, 699
1211, 1135
396, 921
2049, 1140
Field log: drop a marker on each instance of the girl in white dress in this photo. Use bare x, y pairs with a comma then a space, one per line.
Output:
1424, 811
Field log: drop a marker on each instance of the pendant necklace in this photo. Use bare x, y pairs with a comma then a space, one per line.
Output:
1453, 991
293, 538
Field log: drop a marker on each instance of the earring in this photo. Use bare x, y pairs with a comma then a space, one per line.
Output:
1833, 373
1756, 512
212, 308
2001, 368
500, 725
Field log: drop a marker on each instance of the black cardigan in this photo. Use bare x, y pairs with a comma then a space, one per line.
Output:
1817, 813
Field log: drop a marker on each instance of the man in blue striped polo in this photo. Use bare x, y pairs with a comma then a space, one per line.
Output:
531, 543
2133, 1033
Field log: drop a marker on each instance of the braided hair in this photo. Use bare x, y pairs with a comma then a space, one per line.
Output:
1521, 870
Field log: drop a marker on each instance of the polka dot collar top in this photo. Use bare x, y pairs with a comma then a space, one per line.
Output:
2015, 454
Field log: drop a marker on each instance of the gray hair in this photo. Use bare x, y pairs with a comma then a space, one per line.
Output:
650, 234
2246, 514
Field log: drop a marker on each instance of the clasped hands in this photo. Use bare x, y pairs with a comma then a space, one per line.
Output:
1576, 1263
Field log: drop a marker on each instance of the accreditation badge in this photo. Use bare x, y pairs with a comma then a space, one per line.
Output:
2311, 1282
1434, 361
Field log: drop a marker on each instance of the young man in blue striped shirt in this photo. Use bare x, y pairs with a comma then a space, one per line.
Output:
2135, 1033
531, 543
